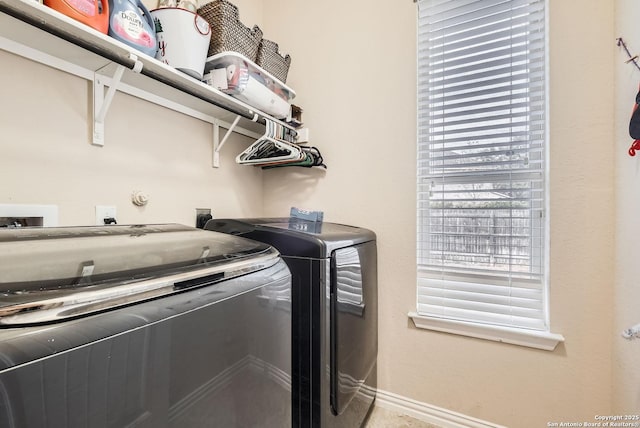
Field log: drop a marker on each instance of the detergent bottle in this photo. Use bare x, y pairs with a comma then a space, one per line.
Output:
131, 23
94, 13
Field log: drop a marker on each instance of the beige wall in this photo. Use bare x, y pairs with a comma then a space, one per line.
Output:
354, 70
626, 380
46, 157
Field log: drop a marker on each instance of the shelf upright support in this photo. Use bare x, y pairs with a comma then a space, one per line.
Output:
102, 102
217, 143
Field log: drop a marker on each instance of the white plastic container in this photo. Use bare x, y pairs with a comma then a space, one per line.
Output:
183, 39
241, 78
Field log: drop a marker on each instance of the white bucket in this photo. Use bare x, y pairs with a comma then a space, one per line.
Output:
183, 39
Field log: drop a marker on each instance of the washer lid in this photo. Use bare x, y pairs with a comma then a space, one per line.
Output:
48, 274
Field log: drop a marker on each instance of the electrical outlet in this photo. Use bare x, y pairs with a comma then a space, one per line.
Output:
202, 216
105, 211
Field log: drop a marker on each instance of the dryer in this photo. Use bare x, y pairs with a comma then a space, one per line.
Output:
146, 326
334, 314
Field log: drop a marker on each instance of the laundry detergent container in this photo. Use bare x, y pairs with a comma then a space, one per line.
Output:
94, 13
130, 22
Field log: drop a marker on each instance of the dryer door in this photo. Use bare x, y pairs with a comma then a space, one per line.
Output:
354, 324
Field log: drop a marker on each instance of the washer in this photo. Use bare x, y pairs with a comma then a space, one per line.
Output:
335, 314
146, 326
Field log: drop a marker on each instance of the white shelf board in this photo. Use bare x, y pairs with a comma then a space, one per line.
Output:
42, 34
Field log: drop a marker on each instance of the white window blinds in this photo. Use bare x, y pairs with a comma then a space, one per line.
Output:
481, 161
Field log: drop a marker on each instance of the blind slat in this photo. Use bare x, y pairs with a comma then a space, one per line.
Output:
481, 161
470, 92
476, 13
441, 55
480, 58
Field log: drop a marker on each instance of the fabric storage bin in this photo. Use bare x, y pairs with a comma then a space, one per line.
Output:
227, 32
272, 61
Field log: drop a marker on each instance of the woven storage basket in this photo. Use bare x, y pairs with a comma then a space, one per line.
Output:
270, 59
227, 32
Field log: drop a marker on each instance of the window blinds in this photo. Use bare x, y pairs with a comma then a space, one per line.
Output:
481, 161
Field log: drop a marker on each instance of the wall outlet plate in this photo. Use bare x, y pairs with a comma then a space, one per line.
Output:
105, 211
42, 215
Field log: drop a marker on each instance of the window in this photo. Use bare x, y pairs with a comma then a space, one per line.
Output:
481, 162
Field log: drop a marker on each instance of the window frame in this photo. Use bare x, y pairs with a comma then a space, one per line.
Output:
540, 338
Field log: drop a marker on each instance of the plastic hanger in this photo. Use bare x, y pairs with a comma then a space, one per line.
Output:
313, 157
269, 149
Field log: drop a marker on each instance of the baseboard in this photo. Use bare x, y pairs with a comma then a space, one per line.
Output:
428, 413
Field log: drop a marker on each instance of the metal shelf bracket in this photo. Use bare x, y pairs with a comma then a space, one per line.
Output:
217, 143
102, 102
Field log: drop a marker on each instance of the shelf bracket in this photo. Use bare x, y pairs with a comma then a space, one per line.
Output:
102, 102
217, 143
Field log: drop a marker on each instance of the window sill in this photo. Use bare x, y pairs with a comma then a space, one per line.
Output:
529, 338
